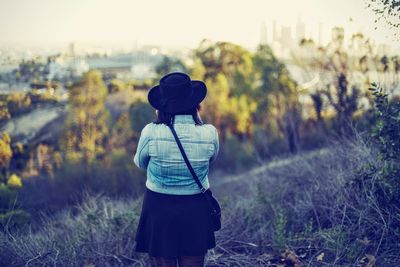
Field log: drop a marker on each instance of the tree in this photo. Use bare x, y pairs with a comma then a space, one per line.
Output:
228, 71
343, 75
86, 123
116, 86
277, 96
44, 159
140, 113
267, 67
345, 102
216, 103
170, 64
388, 10
230, 59
18, 102
5, 154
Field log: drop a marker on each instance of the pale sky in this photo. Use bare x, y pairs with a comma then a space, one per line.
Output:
174, 22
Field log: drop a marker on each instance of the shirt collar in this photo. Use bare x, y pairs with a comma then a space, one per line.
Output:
179, 118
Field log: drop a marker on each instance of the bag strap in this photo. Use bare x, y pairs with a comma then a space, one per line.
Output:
207, 193
202, 189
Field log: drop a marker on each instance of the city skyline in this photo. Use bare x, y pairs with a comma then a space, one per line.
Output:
56, 23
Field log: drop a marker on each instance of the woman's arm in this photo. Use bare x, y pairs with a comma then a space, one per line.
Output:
142, 158
216, 145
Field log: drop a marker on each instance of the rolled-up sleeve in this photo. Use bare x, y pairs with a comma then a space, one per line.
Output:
142, 157
216, 145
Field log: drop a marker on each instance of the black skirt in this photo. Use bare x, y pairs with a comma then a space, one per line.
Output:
174, 225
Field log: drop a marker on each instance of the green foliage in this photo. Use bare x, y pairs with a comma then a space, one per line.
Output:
221, 58
384, 176
15, 219
268, 142
235, 154
387, 129
140, 113
7, 197
115, 175
276, 96
280, 227
229, 73
170, 64
11, 216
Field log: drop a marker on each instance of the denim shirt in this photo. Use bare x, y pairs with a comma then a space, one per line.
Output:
158, 152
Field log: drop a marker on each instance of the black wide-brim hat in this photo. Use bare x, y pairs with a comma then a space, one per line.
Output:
176, 93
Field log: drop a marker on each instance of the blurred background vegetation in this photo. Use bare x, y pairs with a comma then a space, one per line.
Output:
310, 142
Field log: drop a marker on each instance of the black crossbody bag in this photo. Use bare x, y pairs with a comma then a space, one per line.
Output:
215, 209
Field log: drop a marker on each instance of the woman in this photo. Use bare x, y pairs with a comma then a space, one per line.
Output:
174, 225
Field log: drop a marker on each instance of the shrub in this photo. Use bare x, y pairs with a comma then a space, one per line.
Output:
97, 232
18, 103
140, 113
14, 181
116, 86
14, 219
382, 178
304, 210
11, 215
386, 136
235, 155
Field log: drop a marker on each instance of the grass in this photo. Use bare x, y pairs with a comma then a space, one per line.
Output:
299, 211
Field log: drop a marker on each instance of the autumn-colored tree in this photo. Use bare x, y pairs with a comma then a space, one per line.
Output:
116, 86
4, 113
229, 59
197, 69
18, 102
228, 71
5, 155
216, 104
86, 124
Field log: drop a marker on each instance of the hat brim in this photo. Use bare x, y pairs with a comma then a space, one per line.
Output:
199, 92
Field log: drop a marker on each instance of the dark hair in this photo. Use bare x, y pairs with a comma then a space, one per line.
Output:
167, 118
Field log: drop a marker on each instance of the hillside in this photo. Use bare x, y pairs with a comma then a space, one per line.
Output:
293, 211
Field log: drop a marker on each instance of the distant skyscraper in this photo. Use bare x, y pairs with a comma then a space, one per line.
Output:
72, 50
286, 37
320, 33
263, 34
300, 30
275, 37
